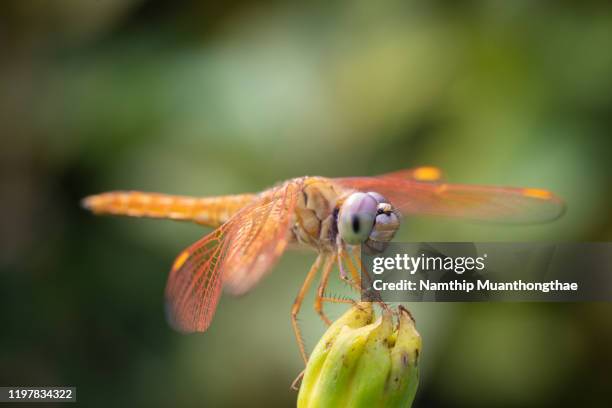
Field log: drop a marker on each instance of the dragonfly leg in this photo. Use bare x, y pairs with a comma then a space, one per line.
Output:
345, 258
355, 272
295, 385
340, 252
297, 304
331, 299
319, 298
376, 295
356, 282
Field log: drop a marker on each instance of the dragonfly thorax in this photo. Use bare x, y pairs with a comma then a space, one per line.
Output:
314, 213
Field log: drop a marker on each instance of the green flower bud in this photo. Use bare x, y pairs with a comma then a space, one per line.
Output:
361, 363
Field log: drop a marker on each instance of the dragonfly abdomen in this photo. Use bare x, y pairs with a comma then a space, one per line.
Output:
209, 211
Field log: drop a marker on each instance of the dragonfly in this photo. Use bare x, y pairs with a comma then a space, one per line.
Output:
334, 216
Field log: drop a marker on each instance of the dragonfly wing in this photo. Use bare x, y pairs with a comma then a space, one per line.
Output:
423, 173
480, 203
236, 254
194, 284
259, 236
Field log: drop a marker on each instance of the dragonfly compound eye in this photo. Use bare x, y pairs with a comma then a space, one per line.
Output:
356, 218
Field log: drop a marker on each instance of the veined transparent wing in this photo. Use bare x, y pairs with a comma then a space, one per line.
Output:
474, 202
235, 255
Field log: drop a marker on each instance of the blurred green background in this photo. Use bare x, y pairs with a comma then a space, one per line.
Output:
212, 98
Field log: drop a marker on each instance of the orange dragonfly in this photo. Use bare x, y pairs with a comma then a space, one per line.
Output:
335, 216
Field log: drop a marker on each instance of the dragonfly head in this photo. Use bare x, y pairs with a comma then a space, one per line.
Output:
367, 218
